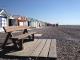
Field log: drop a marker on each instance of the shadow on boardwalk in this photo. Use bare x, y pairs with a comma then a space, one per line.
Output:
8, 57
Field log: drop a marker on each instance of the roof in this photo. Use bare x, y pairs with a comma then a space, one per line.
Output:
1, 10
4, 13
16, 16
21, 19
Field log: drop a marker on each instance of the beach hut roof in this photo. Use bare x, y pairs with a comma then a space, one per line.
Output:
11, 17
4, 13
1, 10
16, 16
20, 18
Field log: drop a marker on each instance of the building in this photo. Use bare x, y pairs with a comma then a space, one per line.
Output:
35, 23
19, 21
7, 20
41, 24
12, 21
3, 19
32, 22
22, 21
16, 20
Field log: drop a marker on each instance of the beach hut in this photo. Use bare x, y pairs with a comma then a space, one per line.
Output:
3, 19
41, 24
22, 21
19, 20
36, 23
12, 21
32, 22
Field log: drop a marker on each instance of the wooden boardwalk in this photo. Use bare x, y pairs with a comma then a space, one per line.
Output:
45, 48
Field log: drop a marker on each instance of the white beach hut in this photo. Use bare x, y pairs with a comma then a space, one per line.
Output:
3, 19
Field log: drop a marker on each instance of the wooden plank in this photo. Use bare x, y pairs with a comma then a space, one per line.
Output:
45, 51
53, 52
27, 47
38, 50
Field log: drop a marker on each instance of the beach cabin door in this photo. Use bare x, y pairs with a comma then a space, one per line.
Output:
10, 24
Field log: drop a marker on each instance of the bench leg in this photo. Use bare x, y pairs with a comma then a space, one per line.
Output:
33, 37
29, 37
20, 44
7, 37
15, 43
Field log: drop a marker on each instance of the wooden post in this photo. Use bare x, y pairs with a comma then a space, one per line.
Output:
20, 44
25, 31
15, 43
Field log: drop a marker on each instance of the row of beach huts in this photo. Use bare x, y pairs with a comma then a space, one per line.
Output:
16, 20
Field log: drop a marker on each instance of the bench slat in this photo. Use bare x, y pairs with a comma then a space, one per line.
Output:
15, 28
22, 36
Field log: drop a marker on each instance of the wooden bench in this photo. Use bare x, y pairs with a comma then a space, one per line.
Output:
17, 40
